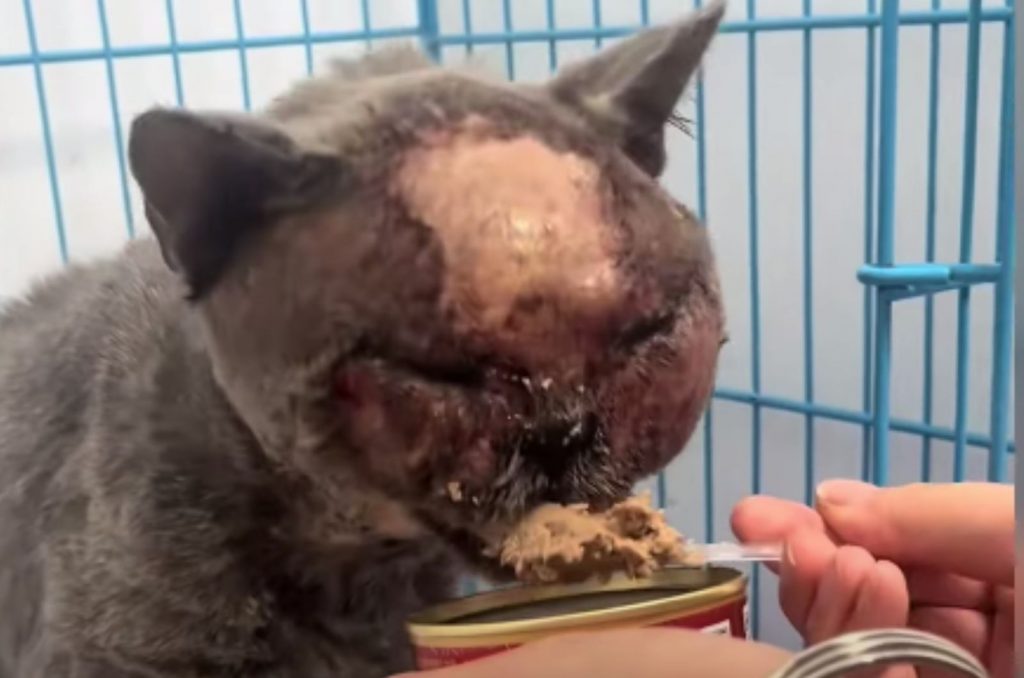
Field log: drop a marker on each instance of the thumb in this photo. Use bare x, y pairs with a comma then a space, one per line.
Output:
966, 528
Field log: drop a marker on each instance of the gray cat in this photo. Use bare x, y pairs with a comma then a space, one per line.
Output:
379, 320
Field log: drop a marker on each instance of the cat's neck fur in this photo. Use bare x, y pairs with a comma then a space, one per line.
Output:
156, 505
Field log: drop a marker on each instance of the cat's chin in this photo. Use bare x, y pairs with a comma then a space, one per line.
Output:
481, 564
475, 551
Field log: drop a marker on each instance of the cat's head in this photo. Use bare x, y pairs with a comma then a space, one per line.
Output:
470, 296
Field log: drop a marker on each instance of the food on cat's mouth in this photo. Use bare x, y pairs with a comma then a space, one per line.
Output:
454, 491
565, 544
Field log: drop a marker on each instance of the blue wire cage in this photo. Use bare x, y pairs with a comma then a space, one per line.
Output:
736, 452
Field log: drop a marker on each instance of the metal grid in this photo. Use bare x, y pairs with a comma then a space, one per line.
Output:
886, 282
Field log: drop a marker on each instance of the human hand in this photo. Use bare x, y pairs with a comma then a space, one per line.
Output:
640, 653
937, 557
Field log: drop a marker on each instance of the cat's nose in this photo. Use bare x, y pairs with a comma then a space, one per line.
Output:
557, 443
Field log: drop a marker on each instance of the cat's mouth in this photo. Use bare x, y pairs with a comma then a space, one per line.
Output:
473, 547
478, 537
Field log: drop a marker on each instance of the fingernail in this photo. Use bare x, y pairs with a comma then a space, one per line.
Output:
844, 492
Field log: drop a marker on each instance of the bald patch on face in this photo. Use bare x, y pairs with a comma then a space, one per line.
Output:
529, 254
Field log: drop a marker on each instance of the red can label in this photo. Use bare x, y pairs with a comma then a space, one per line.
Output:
727, 619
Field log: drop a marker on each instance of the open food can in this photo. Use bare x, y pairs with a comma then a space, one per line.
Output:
709, 599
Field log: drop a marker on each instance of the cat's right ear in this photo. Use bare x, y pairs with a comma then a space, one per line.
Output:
629, 90
209, 181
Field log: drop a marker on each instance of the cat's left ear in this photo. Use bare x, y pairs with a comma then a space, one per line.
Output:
210, 181
631, 89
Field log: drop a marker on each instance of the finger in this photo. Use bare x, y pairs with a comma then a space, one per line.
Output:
766, 520
836, 595
941, 589
899, 671
965, 528
806, 556
1001, 655
883, 600
769, 519
967, 628
889, 671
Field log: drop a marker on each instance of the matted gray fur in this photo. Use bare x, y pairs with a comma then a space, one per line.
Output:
231, 449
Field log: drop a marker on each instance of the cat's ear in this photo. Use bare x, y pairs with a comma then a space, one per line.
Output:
209, 181
630, 90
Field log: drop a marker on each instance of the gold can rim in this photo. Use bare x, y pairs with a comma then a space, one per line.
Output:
699, 589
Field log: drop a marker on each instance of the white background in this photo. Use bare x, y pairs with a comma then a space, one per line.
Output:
81, 119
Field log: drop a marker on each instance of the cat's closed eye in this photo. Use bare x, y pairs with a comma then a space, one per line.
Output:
463, 375
644, 330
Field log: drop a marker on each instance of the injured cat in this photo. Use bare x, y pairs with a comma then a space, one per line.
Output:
400, 305
566, 544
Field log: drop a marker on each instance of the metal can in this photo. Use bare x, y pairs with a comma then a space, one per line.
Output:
709, 599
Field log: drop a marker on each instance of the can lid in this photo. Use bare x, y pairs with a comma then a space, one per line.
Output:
686, 589
879, 648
